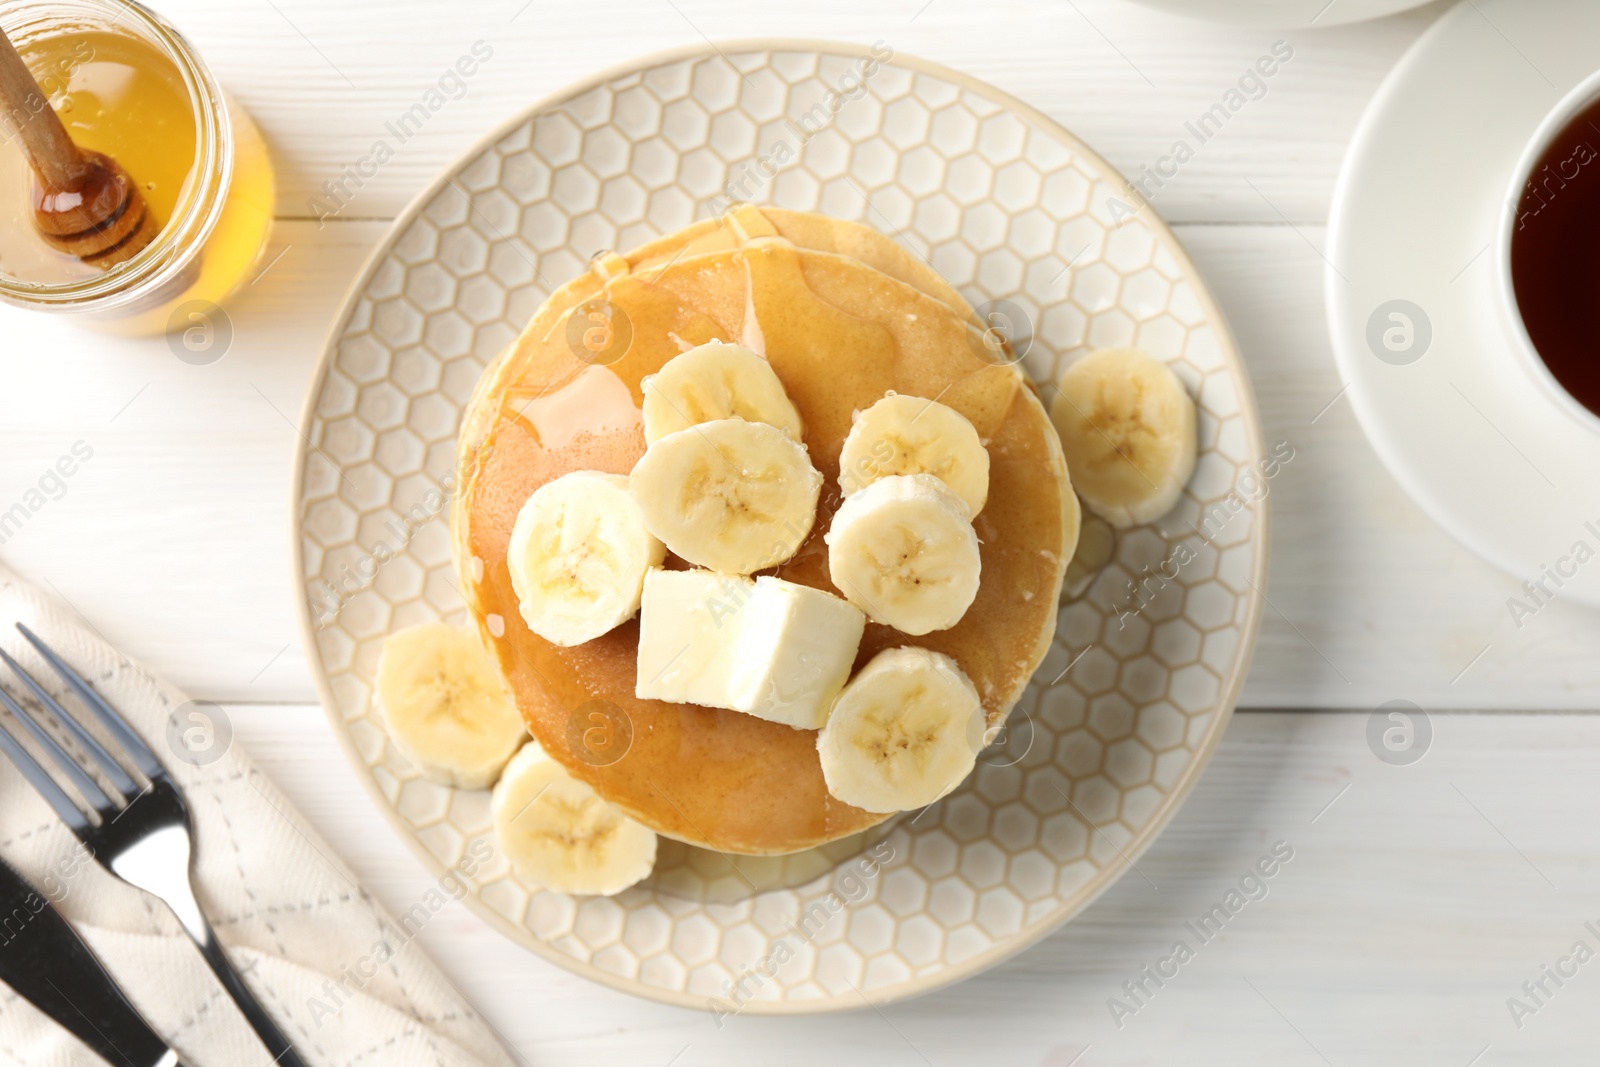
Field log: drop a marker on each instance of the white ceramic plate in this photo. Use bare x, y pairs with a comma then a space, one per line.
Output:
1126, 712
1471, 438
1285, 14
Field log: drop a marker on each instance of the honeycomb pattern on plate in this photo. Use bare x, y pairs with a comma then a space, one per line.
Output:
1140, 681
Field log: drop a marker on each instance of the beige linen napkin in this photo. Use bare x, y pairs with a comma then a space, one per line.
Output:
343, 980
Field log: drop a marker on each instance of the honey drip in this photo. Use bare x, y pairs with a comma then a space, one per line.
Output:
839, 336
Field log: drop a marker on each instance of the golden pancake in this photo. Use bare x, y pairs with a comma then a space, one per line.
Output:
733, 229
839, 335
745, 223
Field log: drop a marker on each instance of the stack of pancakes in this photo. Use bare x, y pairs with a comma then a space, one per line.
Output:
843, 315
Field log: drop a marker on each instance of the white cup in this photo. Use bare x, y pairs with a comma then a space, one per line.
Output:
1528, 358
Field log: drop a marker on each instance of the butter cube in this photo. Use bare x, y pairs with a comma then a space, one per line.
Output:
689, 624
796, 647
769, 648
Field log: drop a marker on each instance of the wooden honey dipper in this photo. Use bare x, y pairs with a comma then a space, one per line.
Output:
84, 203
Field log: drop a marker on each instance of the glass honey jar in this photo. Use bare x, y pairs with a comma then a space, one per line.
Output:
125, 83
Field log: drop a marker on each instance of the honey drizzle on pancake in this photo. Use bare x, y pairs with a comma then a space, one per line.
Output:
720, 778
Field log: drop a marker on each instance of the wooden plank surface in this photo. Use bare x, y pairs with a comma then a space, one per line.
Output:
322, 79
1417, 902
1419, 898
174, 537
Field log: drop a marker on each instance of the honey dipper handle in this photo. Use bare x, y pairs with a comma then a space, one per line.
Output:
30, 117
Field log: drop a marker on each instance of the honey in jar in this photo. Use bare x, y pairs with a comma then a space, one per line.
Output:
127, 85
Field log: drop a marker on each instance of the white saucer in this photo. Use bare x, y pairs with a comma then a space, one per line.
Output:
1474, 440
1285, 14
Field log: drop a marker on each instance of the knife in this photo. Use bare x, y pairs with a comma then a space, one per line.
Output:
46, 962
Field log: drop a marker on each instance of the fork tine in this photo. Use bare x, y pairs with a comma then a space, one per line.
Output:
87, 786
120, 779
42, 783
132, 743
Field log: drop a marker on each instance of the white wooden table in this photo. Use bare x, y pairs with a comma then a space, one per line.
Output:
1420, 898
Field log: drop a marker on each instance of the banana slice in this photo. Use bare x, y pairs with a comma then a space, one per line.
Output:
711, 382
446, 706
578, 554
560, 834
905, 731
903, 551
911, 435
1127, 427
730, 495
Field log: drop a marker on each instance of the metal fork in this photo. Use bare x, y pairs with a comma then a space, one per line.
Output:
143, 835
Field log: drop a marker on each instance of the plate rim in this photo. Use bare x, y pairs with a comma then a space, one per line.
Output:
1029, 934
